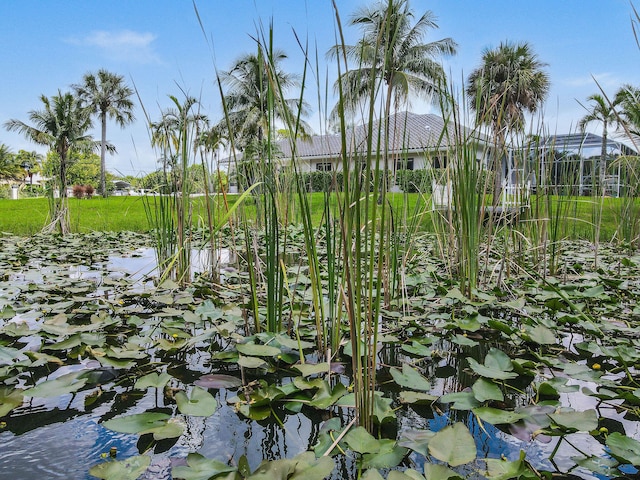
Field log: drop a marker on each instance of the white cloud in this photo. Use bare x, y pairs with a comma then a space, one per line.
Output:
124, 45
603, 79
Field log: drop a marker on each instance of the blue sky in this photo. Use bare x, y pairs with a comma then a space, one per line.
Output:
159, 47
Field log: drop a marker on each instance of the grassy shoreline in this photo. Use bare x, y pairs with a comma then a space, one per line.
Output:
25, 217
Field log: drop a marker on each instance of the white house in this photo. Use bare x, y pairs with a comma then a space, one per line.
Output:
416, 141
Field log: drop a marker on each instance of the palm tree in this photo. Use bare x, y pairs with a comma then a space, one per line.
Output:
628, 98
31, 162
392, 49
62, 126
254, 99
106, 95
9, 167
510, 81
604, 111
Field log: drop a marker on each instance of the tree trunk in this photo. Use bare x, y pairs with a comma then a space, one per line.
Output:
103, 151
60, 214
603, 160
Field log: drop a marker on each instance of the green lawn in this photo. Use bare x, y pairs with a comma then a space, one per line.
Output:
28, 216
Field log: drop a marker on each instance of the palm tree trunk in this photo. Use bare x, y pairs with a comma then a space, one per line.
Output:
60, 214
103, 151
603, 158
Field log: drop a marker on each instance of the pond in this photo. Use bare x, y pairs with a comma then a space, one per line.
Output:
105, 371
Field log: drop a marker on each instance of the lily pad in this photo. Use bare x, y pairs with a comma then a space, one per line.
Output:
436, 471
218, 380
576, 421
251, 362
495, 416
153, 380
453, 445
484, 390
129, 469
257, 350
623, 448
199, 403
361, 441
160, 425
497, 365
389, 455
308, 369
410, 378
67, 383
9, 399
200, 468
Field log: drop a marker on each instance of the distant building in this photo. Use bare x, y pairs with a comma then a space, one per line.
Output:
571, 162
415, 142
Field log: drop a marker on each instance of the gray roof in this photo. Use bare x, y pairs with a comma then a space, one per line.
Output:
409, 132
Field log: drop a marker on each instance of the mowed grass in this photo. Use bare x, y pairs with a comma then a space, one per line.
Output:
28, 216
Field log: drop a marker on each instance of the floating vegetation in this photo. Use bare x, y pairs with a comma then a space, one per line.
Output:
533, 380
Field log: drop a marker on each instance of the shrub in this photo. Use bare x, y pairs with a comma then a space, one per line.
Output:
413, 181
89, 191
78, 191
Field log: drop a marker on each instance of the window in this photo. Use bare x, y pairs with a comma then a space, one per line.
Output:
323, 167
440, 161
404, 164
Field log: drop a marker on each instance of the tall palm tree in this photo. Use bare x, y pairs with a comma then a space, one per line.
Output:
510, 81
107, 95
605, 112
256, 83
392, 49
62, 126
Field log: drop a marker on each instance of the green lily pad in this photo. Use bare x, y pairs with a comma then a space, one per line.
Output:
218, 380
382, 410
497, 365
9, 399
541, 335
310, 468
8, 355
256, 350
361, 441
501, 469
308, 369
67, 383
160, 424
410, 378
200, 468
484, 390
417, 440
464, 341
436, 471
624, 449
417, 349
128, 469
576, 421
301, 467
199, 404
460, 400
495, 416
153, 379
389, 455
251, 362
453, 445
419, 398
325, 396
